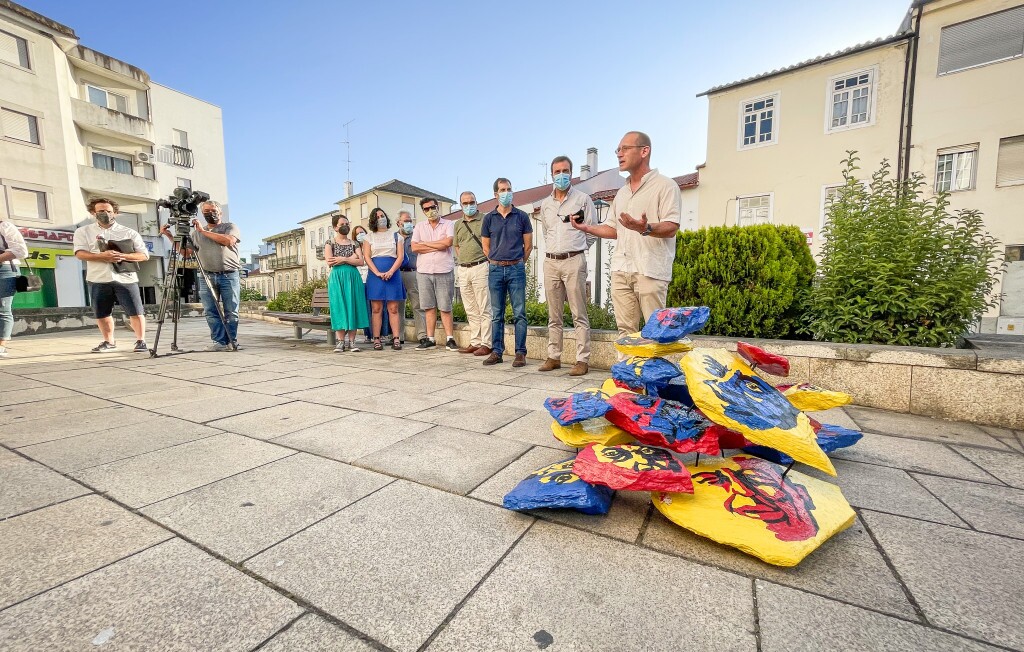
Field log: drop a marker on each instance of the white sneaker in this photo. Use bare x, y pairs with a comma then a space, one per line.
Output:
218, 347
3, 352
340, 348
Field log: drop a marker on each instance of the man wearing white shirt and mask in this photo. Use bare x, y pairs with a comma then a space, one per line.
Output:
565, 264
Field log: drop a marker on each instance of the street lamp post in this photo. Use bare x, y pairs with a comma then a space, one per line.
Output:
601, 206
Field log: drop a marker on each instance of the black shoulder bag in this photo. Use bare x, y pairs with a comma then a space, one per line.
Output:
23, 283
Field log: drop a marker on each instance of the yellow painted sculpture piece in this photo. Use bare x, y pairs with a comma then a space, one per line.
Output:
611, 389
636, 344
729, 393
744, 502
592, 431
808, 397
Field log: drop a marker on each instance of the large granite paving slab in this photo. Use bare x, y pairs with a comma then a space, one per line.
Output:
572, 590
989, 508
68, 424
965, 581
35, 394
154, 476
394, 404
847, 567
50, 546
331, 394
912, 425
95, 448
886, 489
186, 393
25, 485
532, 399
1006, 466
249, 512
912, 455
835, 416
219, 407
279, 420
172, 597
550, 381
446, 458
314, 634
478, 392
396, 563
623, 521
794, 621
354, 436
467, 415
535, 429
284, 385
48, 409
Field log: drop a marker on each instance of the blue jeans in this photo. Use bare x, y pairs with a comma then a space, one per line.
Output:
507, 281
229, 288
7, 276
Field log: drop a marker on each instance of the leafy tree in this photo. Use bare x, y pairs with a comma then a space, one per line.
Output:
897, 267
251, 294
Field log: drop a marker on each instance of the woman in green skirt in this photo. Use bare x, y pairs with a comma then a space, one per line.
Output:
345, 286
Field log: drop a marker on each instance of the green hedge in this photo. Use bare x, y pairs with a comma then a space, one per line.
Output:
755, 279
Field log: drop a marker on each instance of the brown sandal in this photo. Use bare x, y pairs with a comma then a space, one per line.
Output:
397, 344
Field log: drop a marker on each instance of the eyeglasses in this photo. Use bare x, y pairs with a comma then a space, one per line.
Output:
618, 150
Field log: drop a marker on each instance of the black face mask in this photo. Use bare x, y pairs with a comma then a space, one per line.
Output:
343, 229
212, 218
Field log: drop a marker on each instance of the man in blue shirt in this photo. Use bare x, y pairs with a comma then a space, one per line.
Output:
412, 292
507, 237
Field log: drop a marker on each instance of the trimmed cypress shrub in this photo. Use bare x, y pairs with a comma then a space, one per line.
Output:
755, 279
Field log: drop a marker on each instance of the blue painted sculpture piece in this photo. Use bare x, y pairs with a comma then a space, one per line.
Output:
671, 324
577, 407
557, 486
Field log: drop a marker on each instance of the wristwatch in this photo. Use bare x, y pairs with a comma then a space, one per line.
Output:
647, 229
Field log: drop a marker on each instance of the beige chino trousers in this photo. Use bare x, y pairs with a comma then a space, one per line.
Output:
476, 298
567, 280
634, 298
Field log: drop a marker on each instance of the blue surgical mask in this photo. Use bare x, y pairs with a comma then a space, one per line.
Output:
469, 211
360, 238
562, 180
505, 198
407, 228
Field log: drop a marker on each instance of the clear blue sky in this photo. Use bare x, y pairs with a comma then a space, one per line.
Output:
446, 93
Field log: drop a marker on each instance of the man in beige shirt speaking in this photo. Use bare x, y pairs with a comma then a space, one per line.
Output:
645, 219
565, 264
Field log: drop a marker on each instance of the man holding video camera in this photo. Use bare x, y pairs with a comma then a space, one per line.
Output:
111, 253
216, 246
565, 264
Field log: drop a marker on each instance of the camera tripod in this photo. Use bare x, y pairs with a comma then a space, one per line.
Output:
183, 252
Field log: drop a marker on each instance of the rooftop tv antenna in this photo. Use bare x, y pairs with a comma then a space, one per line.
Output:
545, 166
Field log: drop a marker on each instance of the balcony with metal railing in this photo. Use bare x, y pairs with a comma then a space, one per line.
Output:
284, 262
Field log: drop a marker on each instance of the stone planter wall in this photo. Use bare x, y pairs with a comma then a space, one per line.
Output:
960, 384
34, 321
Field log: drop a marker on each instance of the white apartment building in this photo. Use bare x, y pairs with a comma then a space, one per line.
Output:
76, 124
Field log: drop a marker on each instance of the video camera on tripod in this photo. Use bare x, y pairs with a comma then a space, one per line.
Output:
183, 205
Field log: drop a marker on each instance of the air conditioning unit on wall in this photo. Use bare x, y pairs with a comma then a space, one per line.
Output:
144, 157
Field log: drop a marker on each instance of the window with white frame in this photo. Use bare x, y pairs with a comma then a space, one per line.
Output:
828, 195
183, 183
27, 204
180, 138
980, 41
409, 204
850, 103
23, 127
756, 209
107, 99
954, 169
14, 50
112, 163
321, 236
759, 123
1010, 166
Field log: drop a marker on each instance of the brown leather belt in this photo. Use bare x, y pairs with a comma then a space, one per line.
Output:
479, 262
563, 256
506, 263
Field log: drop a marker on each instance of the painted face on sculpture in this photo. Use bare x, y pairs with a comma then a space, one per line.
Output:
757, 490
750, 400
638, 458
560, 473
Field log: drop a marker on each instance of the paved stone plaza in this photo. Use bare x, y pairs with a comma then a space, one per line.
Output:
287, 498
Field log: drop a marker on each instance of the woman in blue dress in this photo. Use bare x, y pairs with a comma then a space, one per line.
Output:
384, 284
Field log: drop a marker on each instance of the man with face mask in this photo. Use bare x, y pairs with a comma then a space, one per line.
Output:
507, 237
107, 285
432, 243
472, 273
216, 246
565, 264
412, 292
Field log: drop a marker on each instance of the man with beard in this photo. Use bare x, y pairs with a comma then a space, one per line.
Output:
216, 246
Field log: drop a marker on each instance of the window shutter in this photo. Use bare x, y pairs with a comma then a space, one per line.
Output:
1010, 168
19, 126
13, 49
28, 204
982, 40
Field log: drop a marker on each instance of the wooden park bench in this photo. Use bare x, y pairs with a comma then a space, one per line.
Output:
311, 321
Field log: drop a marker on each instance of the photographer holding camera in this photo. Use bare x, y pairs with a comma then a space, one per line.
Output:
565, 264
216, 246
106, 246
